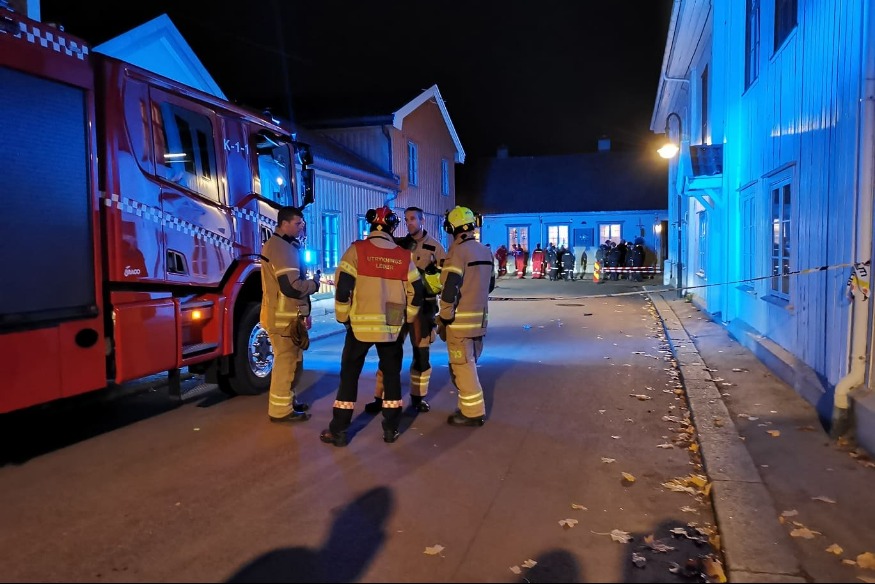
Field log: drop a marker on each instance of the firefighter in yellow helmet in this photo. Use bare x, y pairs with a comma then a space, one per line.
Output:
378, 291
428, 254
467, 279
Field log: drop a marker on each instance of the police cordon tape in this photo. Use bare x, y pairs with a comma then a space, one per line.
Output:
858, 280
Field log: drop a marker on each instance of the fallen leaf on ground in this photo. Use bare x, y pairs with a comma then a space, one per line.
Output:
773, 433
713, 569
581, 507
656, 545
640, 396
822, 498
804, 532
698, 480
792, 513
621, 536
434, 550
615, 437
639, 560
848, 562
665, 445
688, 509
835, 549
608, 460
568, 523
530, 563
628, 477
866, 560
516, 570
865, 579
602, 411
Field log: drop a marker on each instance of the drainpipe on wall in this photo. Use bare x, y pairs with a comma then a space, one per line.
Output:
863, 244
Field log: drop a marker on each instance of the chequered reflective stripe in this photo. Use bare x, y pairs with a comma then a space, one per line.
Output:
344, 405
51, 39
167, 220
247, 215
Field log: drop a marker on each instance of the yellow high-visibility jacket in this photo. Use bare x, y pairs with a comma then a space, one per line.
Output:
378, 288
467, 280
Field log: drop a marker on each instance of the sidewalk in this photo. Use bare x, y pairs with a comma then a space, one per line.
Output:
783, 491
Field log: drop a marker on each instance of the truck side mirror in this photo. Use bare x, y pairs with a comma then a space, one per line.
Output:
308, 186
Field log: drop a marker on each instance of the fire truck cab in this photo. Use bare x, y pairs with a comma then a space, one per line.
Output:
134, 213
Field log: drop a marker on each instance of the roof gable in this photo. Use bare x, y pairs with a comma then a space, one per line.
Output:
431, 93
158, 46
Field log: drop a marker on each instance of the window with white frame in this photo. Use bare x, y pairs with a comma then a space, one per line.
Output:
557, 235
445, 177
752, 43
518, 235
412, 164
780, 201
748, 237
330, 240
703, 243
609, 231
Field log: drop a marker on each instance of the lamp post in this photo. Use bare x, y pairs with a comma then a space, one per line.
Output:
669, 150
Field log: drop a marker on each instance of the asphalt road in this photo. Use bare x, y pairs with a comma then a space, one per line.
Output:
579, 390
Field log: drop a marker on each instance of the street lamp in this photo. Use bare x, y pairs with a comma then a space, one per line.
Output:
669, 150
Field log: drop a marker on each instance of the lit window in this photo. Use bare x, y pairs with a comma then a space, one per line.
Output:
780, 237
330, 240
609, 231
445, 177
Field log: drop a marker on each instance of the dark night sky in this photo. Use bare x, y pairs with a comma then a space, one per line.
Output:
541, 76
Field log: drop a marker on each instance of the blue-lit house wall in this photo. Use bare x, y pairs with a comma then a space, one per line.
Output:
788, 105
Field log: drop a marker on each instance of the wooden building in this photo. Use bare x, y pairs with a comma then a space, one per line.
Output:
771, 198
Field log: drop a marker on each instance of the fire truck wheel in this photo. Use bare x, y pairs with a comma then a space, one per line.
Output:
252, 361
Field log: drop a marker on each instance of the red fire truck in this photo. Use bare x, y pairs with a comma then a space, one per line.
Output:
133, 213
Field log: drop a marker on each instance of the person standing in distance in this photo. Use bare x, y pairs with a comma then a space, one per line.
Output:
285, 299
428, 255
467, 281
378, 291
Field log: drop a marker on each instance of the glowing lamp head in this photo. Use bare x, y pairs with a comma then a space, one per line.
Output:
668, 150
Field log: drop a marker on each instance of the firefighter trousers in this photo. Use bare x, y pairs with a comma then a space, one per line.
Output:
288, 363
352, 362
420, 366
463, 354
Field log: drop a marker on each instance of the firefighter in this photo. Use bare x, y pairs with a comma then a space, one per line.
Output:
378, 290
428, 255
467, 281
501, 256
286, 299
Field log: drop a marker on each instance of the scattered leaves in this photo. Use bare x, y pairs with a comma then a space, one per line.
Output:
773, 433
713, 569
656, 545
621, 536
665, 445
823, 498
568, 523
688, 509
639, 560
608, 460
433, 550
629, 478
530, 563
791, 513
580, 507
516, 570
804, 532
835, 549
866, 560
640, 396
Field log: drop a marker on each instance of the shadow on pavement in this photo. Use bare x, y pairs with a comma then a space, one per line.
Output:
554, 566
673, 552
356, 535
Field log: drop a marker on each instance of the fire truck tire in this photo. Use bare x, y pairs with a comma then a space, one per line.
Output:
252, 361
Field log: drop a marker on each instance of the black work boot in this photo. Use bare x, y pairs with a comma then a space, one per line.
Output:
375, 406
390, 436
459, 419
329, 437
419, 404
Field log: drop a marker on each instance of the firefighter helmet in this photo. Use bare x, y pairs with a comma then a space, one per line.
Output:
459, 219
382, 219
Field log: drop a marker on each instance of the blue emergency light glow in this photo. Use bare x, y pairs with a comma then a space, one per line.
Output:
308, 256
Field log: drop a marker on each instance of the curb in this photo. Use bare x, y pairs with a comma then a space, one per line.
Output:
754, 550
